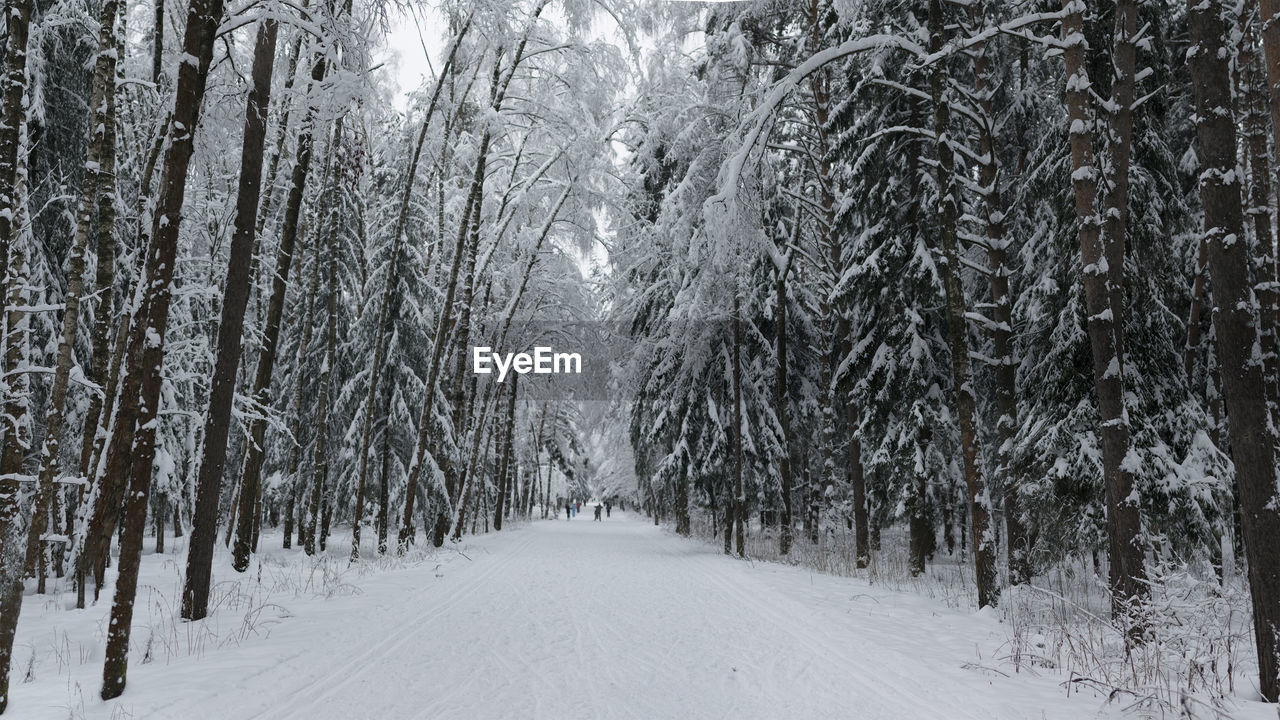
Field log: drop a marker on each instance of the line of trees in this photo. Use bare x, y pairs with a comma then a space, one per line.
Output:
1003, 274
280, 341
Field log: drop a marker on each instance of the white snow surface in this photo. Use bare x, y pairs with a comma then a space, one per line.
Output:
557, 619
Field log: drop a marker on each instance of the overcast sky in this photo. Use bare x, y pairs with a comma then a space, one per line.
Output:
404, 52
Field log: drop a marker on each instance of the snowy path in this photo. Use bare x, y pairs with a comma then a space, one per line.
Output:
576, 619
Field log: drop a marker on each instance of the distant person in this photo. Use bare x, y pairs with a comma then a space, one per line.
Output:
608, 508
599, 507
568, 511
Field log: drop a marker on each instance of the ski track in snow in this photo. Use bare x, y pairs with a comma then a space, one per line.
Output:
579, 620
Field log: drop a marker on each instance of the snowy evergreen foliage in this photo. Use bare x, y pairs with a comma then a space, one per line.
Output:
996, 278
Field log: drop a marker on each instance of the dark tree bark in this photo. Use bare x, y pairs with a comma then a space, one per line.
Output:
961, 377
1123, 522
507, 433
1196, 314
384, 485
858, 489
255, 450
681, 504
278, 148
320, 490
1269, 14
919, 529
1115, 192
104, 287
297, 510
782, 402
463, 392
1252, 438
217, 425
109, 465
146, 342
736, 509
14, 116
12, 262
1004, 365
159, 511
157, 43
50, 455
1252, 96
11, 181
470, 470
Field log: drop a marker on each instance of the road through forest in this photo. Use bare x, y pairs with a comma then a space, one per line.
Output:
575, 619
617, 619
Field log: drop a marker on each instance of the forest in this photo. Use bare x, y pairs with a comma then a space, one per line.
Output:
968, 297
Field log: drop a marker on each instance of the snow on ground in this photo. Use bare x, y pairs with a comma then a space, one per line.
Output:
556, 619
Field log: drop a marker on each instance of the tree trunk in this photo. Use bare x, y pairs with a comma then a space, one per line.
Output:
107, 482
966, 404
278, 149
1004, 367
470, 471
12, 261
15, 85
1196, 314
157, 43
15, 440
1252, 438
158, 513
1252, 96
255, 451
1123, 522
50, 455
1115, 197
782, 402
384, 487
320, 468
146, 344
737, 509
858, 487
298, 506
681, 502
204, 527
504, 464
1269, 12
290, 505
104, 287
919, 530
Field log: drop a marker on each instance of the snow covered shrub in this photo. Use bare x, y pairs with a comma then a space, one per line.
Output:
1196, 644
